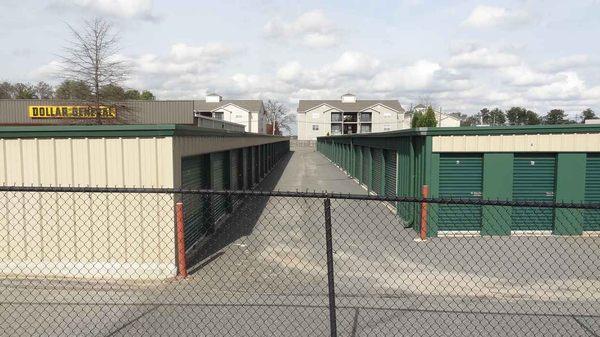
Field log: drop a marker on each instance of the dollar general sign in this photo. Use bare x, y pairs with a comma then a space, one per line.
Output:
71, 111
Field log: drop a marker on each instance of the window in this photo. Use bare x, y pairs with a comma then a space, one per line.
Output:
218, 115
387, 127
336, 117
315, 115
238, 116
365, 117
336, 129
365, 128
350, 117
315, 127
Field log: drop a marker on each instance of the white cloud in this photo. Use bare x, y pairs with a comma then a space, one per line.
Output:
568, 63
312, 29
289, 71
567, 86
355, 64
483, 58
141, 9
319, 40
490, 16
523, 75
47, 71
416, 76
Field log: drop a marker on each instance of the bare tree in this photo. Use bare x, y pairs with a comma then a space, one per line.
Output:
91, 58
43, 90
278, 115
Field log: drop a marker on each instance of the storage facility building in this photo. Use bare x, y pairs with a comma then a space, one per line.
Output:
535, 163
71, 234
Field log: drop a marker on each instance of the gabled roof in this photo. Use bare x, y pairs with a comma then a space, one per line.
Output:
359, 105
247, 104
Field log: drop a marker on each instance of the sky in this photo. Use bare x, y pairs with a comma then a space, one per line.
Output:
460, 55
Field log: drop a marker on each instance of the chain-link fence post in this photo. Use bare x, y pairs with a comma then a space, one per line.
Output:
181, 263
330, 275
423, 230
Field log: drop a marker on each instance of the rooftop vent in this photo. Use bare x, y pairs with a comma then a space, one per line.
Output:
348, 98
213, 98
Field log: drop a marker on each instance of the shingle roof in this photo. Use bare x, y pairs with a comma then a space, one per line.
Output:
248, 104
305, 105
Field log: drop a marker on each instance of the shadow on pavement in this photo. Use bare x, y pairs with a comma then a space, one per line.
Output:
239, 223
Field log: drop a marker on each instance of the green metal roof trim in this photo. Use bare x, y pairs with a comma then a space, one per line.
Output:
96, 131
479, 130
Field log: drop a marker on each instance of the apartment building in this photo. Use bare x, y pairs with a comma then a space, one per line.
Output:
348, 115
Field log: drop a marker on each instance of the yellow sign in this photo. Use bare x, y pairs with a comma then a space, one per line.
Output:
71, 111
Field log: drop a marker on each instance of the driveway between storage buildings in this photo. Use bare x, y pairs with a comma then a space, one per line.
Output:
265, 274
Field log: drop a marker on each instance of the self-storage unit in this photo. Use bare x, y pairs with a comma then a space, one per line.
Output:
128, 156
514, 163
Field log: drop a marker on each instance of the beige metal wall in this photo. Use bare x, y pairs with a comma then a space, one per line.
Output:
582, 142
83, 234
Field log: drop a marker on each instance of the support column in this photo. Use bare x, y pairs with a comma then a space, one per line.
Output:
570, 187
497, 185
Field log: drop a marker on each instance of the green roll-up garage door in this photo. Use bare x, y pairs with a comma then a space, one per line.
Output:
234, 169
219, 175
255, 165
461, 177
357, 162
377, 170
195, 175
344, 157
347, 157
534, 180
366, 166
247, 164
236, 174
591, 218
390, 174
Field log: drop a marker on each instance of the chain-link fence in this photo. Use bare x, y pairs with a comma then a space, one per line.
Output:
113, 262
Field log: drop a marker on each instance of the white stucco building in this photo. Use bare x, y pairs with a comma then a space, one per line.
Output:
348, 115
250, 113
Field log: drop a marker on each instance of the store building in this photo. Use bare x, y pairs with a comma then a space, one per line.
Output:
248, 113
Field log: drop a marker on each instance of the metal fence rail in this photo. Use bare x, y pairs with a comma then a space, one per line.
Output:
79, 261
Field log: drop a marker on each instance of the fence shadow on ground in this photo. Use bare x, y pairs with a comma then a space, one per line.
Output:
238, 224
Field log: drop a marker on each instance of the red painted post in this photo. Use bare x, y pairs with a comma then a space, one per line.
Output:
181, 263
424, 194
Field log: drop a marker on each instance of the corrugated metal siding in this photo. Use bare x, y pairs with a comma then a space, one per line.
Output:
219, 181
123, 162
377, 170
195, 173
461, 177
141, 112
534, 179
405, 179
581, 142
247, 167
390, 173
366, 166
235, 175
591, 218
357, 162
41, 240
255, 165
194, 145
